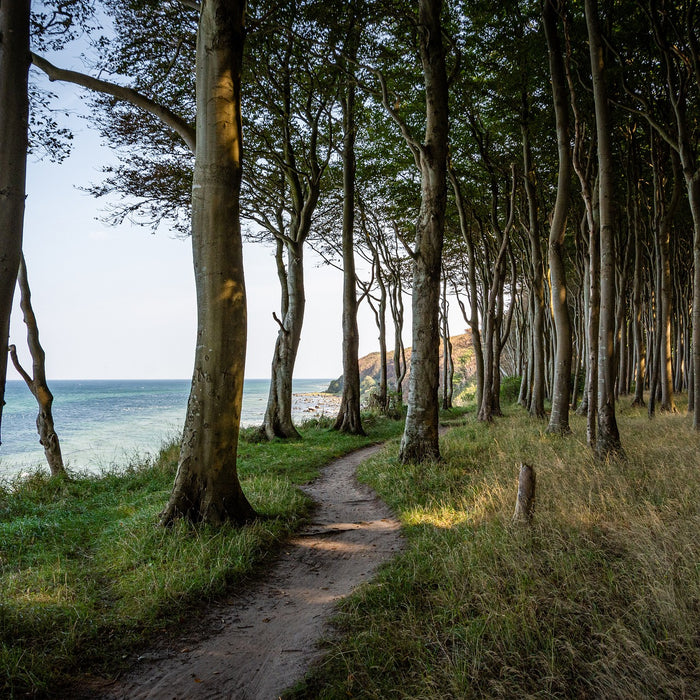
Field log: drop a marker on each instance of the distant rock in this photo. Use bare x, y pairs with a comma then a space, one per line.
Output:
462, 358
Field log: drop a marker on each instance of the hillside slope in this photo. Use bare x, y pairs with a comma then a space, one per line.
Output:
462, 357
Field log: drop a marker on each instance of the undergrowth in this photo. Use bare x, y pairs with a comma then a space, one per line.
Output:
87, 577
600, 598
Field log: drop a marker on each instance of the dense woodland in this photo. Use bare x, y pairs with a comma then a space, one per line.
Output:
537, 161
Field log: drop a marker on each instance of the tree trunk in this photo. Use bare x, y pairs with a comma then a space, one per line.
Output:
14, 110
608, 442
420, 437
278, 413
559, 418
37, 382
349, 420
206, 486
537, 275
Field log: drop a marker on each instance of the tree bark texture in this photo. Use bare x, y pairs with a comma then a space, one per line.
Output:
536, 407
525, 503
206, 486
14, 111
420, 437
37, 382
559, 418
608, 441
349, 420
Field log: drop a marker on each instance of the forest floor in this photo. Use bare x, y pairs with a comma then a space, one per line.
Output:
261, 641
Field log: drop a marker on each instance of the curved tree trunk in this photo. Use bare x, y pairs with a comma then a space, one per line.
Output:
349, 420
278, 413
14, 110
559, 418
37, 382
420, 437
608, 442
206, 486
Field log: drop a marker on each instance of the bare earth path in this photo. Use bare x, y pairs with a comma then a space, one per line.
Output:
265, 639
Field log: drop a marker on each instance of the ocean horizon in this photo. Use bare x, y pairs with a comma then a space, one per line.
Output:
104, 423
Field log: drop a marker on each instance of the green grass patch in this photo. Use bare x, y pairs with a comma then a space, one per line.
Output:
87, 576
599, 598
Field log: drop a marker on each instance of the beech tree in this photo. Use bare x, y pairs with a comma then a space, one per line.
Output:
420, 437
14, 114
37, 381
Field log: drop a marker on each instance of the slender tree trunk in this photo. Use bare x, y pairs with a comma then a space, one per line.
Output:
559, 418
14, 110
349, 420
640, 348
206, 486
537, 273
608, 442
420, 437
278, 413
37, 382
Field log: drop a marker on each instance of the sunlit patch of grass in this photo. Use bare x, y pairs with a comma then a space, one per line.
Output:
599, 598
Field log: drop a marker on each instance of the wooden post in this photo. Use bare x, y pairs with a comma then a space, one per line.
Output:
525, 504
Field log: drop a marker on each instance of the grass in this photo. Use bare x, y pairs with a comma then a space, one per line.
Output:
87, 577
600, 598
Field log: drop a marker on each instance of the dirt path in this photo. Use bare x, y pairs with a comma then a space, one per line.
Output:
265, 639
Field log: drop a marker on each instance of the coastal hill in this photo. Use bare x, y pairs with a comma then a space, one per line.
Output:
462, 358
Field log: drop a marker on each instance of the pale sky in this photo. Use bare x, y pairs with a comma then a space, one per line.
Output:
119, 302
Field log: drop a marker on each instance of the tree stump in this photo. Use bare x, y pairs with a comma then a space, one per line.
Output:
525, 504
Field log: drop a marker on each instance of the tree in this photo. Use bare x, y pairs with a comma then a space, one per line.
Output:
37, 382
349, 420
206, 486
420, 437
14, 111
559, 418
608, 442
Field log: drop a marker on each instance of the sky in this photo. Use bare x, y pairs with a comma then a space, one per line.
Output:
119, 302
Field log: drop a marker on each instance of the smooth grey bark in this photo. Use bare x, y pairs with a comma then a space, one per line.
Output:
559, 417
349, 419
536, 404
663, 232
608, 441
278, 412
206, 487
637, 282
37, 381
420, 437
14, 111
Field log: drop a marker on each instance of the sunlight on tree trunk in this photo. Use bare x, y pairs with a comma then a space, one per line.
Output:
206, 486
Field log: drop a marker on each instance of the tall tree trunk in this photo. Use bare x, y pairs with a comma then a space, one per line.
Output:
420, 437
608, 442
640, 348
278, 413
14, 110
559, 418
206, 486
37, 382
537, 274
664, 241
349, 420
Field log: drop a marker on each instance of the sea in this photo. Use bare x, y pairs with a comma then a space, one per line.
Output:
105, 424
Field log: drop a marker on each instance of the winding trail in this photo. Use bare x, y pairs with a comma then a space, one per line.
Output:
264, 639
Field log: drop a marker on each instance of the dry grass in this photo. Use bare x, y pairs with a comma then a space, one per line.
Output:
600, 598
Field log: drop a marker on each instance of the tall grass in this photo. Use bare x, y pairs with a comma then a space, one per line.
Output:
600, 598
87, 576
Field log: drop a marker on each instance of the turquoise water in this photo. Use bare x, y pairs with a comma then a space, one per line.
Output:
101, 423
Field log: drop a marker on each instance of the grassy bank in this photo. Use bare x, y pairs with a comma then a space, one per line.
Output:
600, 598
87, 577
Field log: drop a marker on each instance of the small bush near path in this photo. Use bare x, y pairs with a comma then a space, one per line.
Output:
87, 576
600, 598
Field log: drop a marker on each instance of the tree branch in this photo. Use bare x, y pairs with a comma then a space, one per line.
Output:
168, 117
